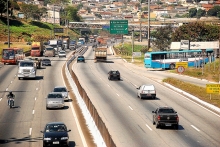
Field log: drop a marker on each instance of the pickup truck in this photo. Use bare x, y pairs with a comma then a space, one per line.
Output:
165, 116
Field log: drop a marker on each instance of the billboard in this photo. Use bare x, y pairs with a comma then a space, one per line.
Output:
194, 45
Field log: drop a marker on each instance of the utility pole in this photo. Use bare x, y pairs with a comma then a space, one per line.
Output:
132, 58
8, 25
140, 23
53, 20
148, 34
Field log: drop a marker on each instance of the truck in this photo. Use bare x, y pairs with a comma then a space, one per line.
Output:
26, 69
91, 39
49, 51
72, 45
37, 49
82, 40
100, 53
66, 43
165, 116
54, 44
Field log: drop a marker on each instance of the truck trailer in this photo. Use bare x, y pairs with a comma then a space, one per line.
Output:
100, 54
37, 49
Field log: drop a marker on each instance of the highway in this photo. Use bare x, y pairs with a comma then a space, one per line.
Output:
21, 126
129, 119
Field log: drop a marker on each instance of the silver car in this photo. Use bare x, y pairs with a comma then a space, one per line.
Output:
62, 54
62, 90
146, 91
55, 100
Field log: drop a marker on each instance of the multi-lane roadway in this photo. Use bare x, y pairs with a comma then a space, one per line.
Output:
129, 119
21, 125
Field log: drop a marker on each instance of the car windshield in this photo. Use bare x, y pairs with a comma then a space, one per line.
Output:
60, 90
55, 128
166, 111
26, 64
80, 56
54, 96
62, 52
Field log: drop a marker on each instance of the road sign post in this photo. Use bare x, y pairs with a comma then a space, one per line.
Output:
118, 26
212, 88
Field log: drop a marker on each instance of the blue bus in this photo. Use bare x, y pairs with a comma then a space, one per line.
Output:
168, 59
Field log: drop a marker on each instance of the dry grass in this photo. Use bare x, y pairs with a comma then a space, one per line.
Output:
195, 90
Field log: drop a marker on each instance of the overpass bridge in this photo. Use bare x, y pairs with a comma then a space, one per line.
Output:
101, 25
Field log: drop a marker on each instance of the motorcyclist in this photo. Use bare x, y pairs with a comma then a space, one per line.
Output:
10, 95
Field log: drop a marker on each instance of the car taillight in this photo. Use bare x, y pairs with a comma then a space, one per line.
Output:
177, 118
158, 117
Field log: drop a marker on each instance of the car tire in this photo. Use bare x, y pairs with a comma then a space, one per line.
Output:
154, 122
19, 78
157, 125
176, 127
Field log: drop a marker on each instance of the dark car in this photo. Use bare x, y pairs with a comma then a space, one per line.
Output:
46, 62
114, 74
165, 116
80, 59
55, 134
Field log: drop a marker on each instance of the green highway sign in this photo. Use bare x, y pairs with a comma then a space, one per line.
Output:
58, 30
118, 26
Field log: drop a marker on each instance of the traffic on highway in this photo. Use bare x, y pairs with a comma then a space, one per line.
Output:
44, 111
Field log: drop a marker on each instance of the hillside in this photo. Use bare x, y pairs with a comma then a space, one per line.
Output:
22, 31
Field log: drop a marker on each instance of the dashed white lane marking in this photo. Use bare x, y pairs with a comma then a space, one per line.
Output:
108, 85
36, 88
130, 107
0, 99
30, 131
195, 128
35, 98
33, 111
38, 81
117, 94
11, 81
149, 127
6, 89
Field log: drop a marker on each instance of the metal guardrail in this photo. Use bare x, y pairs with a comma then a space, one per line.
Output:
94, 121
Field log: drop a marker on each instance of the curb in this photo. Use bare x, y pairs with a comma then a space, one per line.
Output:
199, 101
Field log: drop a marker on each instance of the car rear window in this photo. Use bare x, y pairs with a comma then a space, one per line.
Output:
166, 111
54, 95
150, 87
59, 89
55, 128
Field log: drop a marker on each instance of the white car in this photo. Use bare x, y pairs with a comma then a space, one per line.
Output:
62, 54
62, 90
146, 91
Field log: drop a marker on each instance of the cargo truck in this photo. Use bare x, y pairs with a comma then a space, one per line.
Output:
37, 49
27, 69
100, 54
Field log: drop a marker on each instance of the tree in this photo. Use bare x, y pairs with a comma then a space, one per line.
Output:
196, 32
192, 12
30, 10
201, 13
3, 6
72, 14
162, 37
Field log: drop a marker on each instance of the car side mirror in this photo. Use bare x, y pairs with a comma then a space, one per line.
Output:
68, 130
42, 131
138, 88
153, 112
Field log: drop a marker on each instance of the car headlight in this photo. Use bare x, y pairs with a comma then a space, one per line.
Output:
64, 138
47, 138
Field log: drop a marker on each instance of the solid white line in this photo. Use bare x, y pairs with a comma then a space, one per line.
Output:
117, 94
76, 120
36, 88
33, 112
195, 128
30, 131
35, 98
148, 127
130, 107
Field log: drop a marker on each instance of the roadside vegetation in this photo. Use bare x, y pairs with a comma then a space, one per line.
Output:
197, 91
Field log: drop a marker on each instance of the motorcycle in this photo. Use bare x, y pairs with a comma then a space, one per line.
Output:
11, 102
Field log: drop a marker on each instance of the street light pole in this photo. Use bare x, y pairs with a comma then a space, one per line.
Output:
8, 25
132, 58
148, 34
140, 23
